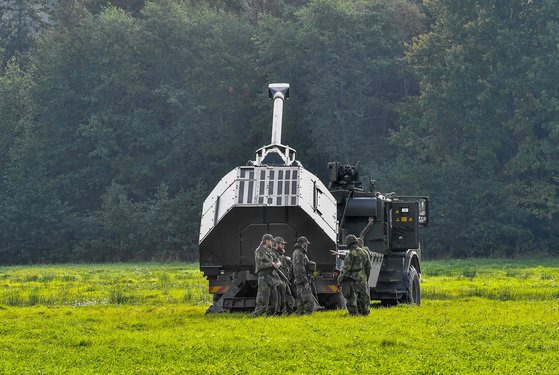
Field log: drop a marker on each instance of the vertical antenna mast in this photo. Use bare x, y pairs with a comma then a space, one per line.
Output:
278, 92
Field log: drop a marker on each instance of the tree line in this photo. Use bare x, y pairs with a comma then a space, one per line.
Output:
117, 118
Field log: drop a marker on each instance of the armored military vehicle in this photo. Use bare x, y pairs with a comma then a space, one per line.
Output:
275, 194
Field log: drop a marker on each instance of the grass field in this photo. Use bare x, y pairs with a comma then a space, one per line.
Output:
477, 316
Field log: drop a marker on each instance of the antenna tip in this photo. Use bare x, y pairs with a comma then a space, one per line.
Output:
278, 90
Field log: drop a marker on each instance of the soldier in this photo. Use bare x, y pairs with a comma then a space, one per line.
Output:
302, 268
268, 279
285, 299
353, 278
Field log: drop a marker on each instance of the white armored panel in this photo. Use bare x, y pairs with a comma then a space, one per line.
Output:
318, 202
274, 186
220, 200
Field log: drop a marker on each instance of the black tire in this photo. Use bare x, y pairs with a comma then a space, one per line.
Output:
216, 306
388, 302
414, 290
332, 301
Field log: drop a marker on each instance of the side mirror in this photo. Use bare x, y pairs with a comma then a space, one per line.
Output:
423, 211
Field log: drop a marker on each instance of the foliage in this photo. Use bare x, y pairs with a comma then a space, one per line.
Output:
483, 131
117, 117
21, 23
158, 228
345, 60
126, 102
16, 110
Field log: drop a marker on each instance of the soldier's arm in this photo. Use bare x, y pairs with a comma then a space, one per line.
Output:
368, 264
263, 261
346, 267
336, 253
299, 269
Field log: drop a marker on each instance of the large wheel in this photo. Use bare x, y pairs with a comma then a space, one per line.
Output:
388, 302
414, 290
332, 301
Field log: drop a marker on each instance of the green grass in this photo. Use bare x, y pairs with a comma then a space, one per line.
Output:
477, 316
100, 284
501, 280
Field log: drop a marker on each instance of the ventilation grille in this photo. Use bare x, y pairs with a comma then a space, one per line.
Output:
270, 186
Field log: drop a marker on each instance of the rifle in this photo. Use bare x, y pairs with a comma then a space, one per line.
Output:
314, 294
283, 277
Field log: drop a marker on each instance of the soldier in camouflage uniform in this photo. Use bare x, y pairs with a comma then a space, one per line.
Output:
353, 278
285, 299
302, 268
268, 279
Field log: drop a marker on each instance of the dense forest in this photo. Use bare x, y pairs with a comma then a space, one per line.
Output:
118, 117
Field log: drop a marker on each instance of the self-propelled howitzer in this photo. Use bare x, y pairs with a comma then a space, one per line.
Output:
275, 194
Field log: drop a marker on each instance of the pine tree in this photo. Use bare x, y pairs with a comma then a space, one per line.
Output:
21, 23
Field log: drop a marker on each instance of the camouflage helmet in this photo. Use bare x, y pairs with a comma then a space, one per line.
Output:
360, 241
350, 240
302, 241
279, 240
267, 237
